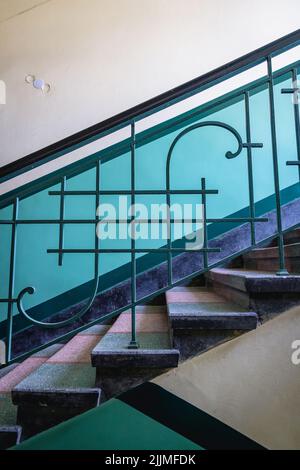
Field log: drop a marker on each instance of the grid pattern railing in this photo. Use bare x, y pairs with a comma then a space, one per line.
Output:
204, 192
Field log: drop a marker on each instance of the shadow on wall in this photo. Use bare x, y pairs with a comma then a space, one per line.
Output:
250, 383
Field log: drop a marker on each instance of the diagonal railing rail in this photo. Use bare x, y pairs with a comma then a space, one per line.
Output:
14, 301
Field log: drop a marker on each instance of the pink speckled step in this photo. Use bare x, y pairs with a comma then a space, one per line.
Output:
62, 387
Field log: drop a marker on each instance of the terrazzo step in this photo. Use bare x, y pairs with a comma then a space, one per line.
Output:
119, 368
289, 238
201, 319
266, 259
5, 370
11, 376
62, 387
261, 291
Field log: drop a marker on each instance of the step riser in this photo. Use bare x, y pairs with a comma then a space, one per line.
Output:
232, 295
114, 381
40, 411
272, 264
192, 343
289, 238
266, 305
35, 419
9, 436
117, 372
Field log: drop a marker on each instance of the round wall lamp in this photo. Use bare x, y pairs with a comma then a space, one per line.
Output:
38, 83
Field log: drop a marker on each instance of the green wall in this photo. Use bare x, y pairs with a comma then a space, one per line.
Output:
200, 153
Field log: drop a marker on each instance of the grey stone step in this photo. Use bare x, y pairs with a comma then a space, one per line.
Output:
62, 387
5, 370
120, 368
267, 259
261, 291
201, 319
135, 358
289, 238
12, 376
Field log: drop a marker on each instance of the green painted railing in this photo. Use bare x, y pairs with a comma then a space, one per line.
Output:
179, 129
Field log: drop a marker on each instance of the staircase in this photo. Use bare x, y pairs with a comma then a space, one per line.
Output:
67, 379
79, 328
251, 281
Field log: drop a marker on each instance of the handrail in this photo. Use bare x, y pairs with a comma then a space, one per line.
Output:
52, 151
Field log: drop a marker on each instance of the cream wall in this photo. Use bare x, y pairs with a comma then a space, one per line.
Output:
104, 56
11, 8
249, 383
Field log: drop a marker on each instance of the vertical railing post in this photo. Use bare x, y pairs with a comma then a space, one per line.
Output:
97, 203
133, 342
13, 246
250, 167
296, 113
61, 220
169, 228
282, 269
204, 217
295, 91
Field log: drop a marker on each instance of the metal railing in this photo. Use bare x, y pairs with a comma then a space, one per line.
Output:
17, 299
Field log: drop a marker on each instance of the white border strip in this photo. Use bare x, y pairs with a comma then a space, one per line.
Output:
203, 97
67, 159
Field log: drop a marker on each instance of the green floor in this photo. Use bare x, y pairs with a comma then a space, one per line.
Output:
113, 426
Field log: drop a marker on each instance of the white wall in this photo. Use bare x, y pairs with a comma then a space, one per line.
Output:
104, 56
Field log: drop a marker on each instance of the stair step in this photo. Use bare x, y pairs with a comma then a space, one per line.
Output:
61, 387
267, 259
292, 237
255, 281
15, 375
201, 319
261, 291
120, 368
7, 369
289, 238
9, 436
204, 309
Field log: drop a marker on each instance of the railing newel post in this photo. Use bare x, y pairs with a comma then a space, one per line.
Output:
61, 220
205, 235
10, 312
282, 268
133, 342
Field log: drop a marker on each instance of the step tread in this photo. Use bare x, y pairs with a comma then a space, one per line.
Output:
208, 310
7, 369
255, 281
19, 373
67, 374
15, 376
